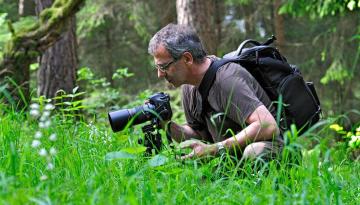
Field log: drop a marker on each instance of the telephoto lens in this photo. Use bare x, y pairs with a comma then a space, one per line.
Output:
157, 107
120, 118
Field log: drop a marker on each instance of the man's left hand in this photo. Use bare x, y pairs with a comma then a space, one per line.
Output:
199, 149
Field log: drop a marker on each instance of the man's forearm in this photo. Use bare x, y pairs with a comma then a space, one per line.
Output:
253, 133
183, 132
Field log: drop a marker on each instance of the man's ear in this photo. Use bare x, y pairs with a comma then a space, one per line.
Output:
188, 58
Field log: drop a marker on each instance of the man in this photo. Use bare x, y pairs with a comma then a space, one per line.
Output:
241, 116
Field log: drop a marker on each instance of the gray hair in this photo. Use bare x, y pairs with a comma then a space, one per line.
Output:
178, 39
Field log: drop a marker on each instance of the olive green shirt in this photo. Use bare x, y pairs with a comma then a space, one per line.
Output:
234, 95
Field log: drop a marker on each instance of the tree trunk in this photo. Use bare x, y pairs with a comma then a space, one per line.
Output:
109, 63
250, 20
26, 45
200, 15
219, 16
27, 8
58, 64
279, 27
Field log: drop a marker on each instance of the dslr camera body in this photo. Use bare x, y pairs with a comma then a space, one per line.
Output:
155, 110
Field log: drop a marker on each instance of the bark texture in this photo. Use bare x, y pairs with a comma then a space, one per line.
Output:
201, 16
26, 8
59, 62
26, 45
279, 27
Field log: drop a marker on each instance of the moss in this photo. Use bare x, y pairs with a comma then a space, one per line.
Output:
21, 58
15, 42
46, 14
26, 30
33, 54
25, 45
8, 47
59, 3
34, 27
11, 28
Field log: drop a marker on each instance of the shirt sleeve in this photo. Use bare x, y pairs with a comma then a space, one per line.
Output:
238, 98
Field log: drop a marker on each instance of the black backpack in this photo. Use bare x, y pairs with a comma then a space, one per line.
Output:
296, 101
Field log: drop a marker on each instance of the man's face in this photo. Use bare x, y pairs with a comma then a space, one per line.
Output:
169, 68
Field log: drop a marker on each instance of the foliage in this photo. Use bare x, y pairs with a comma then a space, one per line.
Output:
334, 51
5, 34
99, 95
318, 9
121, 73
70, 105
336, 73
352, 137
10, 7
31, 41
96, 166
44, 140
115, 34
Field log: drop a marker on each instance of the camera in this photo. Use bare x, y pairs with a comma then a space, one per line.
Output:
157, 108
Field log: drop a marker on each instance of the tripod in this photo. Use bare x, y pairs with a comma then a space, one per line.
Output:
152, 137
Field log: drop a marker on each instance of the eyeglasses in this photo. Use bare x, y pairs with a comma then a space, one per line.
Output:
164, 67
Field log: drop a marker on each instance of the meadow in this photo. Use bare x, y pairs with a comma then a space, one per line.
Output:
84, 162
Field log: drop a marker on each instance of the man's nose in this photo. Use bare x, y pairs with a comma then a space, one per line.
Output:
160, 73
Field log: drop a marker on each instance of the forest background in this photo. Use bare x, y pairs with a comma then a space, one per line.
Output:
90, 57
111, 37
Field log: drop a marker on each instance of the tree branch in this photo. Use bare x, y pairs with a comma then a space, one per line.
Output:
25, 46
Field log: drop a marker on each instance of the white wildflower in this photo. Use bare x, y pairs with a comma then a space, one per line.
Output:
47, 124
38, 135
34, 106
43, 177
41, 124
52, 137
35, 143
46, 114
354, 139
49, 107
43, 118
34, 113
50, 166
43, 152
52, 151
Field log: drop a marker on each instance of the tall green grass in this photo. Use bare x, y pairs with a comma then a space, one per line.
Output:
85, 172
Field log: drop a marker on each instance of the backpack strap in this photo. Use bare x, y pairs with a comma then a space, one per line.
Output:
208, 81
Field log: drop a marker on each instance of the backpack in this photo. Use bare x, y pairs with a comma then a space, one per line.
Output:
295, 100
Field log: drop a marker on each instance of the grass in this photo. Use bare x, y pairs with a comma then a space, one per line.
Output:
83, 174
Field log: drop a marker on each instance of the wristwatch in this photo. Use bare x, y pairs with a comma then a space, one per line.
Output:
220, 149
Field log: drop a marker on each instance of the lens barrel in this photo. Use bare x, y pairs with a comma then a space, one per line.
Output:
120, 118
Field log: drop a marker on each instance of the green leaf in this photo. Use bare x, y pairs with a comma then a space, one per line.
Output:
78, 94
157, 160
122, 73
122, 138
3, 18
6, 93
351, 5
78, 102
34, 66
73, 108
85, 73
119, 155
66, 103
75, 89
134, 150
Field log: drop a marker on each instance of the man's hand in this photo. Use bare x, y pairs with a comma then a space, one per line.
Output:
199, 149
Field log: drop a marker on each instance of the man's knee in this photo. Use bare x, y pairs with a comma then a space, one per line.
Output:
264, 150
